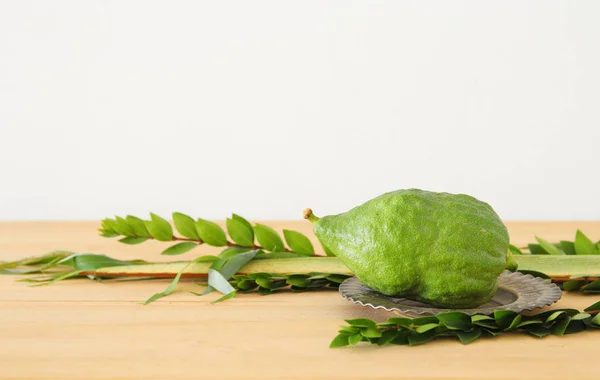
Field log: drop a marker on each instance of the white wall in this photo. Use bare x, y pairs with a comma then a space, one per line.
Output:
266, 107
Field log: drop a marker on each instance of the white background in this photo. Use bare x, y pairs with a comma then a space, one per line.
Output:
266, 107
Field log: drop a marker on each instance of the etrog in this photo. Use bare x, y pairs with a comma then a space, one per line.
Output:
443, 249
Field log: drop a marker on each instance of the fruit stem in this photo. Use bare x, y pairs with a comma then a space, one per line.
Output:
308, 214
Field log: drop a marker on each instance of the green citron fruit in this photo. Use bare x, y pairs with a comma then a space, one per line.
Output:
443, 249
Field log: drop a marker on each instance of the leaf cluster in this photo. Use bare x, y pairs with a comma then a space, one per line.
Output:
267, 283
581, 245
465, 328
61, 265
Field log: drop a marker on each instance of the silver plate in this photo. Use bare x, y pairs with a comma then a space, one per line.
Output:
516, 291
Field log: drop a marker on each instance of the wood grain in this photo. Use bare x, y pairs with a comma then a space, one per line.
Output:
82, 329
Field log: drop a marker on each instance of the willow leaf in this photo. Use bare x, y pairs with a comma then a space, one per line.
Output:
173, 283
549, 247
583, 245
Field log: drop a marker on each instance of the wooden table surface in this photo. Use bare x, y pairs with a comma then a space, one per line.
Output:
85, 329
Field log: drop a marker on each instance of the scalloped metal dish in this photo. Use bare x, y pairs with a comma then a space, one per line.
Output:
516, 291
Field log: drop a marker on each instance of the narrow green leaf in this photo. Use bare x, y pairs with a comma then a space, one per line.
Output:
244, 222
337, 278
123, 227
298, 242
593, 307
538, 330
560, 326
415, 338
467, 337
240, 232
159, 228
583, 245
549, 247
235, 263
568, 247
580, 316
484, 321
514, 250
211, 233
426, 327
339, 341
515, 322
108, 234
543, 315
225, 297
536, 249
491, 332
246, 285
107, 225
555, 315
455, 320
481, 317
232, 251
137, 225
133, 240
179, 248
90, 262
58, 277
206, 258
361, 322
572, 285
276, 255
219, 282
268, 238
592, 286
185, 225
527, 323
354, 339
115, 226
504, 318
172, 285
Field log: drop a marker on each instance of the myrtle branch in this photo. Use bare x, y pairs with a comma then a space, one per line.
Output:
242, 234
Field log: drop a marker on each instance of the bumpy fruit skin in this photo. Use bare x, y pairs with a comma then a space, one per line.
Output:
443, 249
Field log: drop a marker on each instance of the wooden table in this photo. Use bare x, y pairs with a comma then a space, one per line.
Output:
85, 329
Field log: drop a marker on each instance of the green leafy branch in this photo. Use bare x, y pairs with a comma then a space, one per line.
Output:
267, 283
415, 331
243, 234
